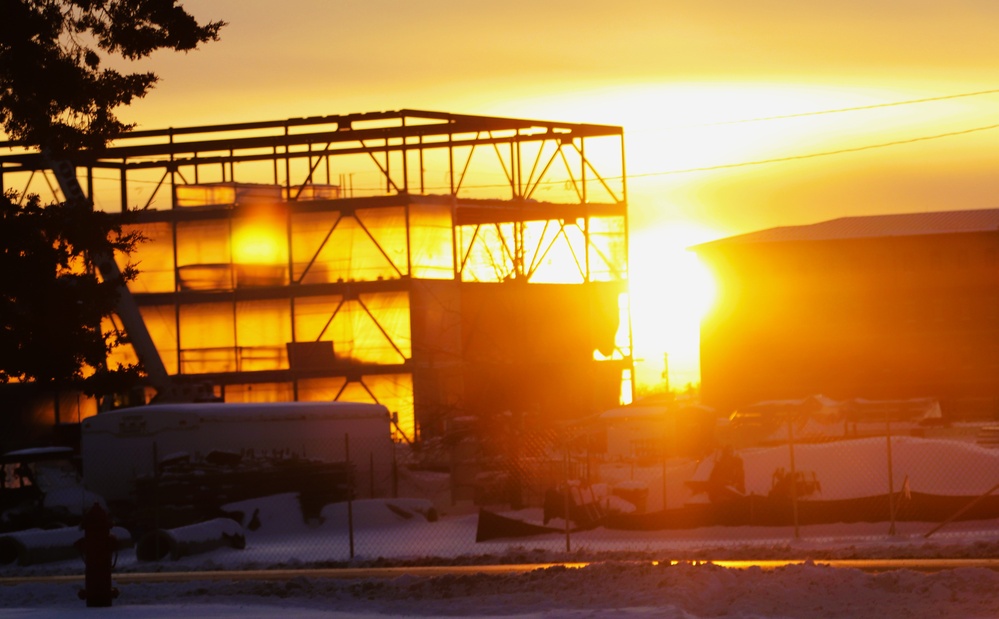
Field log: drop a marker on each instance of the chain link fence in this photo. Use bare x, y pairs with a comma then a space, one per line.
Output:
514, 495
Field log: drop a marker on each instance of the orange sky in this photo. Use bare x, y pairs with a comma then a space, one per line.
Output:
667, 70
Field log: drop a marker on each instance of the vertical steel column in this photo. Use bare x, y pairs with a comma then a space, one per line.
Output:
173, 185
627, 269
287, 164
456, 262
234, 283
513, 171
422, 171
176, 305
586, 219
450, 161
388, 167
176, 269
274, 164
409, 239
288, 224
124, 186
405, 160
519, 250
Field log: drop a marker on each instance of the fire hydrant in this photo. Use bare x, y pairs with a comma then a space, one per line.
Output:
97, 548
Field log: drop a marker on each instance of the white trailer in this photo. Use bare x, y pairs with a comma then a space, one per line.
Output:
119, 446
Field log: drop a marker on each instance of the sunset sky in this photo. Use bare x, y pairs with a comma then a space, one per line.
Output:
675, 74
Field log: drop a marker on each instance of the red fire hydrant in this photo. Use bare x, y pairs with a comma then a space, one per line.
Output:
98, 549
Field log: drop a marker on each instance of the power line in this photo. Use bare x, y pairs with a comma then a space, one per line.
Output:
741, 164
817, 154
850, 109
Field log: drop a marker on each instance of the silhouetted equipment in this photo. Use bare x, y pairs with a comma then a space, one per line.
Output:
311, 356
186, 493
727, 478
496, 526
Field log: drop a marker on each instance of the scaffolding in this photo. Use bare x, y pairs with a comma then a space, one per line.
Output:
443, 265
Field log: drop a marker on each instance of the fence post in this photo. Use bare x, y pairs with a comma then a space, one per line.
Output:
350, 493
157, 479
794, 477
891, 480
958, 513
663, 452
663, 455
565, 499
395, 473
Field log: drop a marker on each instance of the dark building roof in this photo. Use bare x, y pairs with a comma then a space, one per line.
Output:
873, 226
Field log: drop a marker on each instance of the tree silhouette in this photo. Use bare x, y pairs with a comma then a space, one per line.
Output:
57, 95
54, 92
53, 305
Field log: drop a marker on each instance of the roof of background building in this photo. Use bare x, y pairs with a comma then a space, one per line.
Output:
873, 226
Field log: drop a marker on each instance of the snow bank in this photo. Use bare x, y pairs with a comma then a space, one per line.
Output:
190, 540
281, 515
35, 546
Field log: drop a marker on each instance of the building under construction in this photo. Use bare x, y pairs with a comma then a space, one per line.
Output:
443, 265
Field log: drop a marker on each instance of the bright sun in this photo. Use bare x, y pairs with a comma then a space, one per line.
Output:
671, 290
684, 140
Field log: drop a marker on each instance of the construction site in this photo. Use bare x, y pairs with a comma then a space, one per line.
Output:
445, 266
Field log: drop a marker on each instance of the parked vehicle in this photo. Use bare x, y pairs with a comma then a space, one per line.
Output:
42, 488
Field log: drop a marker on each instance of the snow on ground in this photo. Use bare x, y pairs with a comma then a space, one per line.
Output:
624, 580
602, 590
633, 574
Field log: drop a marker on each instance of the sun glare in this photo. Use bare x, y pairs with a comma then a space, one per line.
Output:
677, 127
693, 125
257, 244
704, 125
671, 290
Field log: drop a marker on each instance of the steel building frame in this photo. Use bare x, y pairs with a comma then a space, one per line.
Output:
305, 157
377, 135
